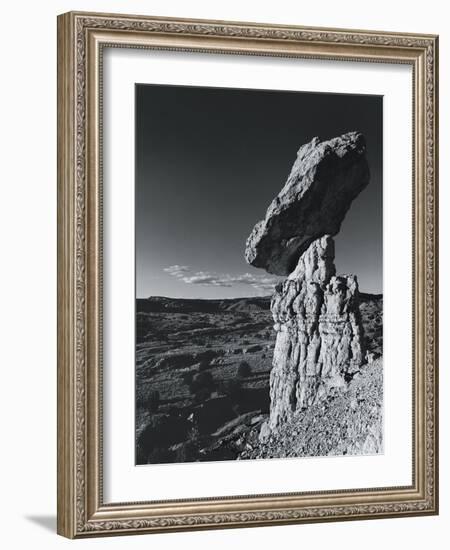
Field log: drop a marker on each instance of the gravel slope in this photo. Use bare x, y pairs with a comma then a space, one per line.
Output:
347, 423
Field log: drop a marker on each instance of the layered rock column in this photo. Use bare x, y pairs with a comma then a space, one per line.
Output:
320, 341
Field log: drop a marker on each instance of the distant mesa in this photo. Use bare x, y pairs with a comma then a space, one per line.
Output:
325, 178
163, 304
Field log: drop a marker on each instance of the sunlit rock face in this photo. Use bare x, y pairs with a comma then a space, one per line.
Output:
320, 342
324, 180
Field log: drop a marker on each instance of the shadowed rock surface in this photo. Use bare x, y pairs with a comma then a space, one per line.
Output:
324, 180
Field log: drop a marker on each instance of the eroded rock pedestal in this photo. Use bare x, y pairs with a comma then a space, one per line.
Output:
316, 312
320, 342
324, 180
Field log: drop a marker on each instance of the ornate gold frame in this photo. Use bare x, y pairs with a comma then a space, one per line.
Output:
81, 37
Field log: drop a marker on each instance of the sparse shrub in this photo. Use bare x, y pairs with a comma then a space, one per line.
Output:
187, 452
232, 388
159, 456
153, 401
244, 369
160, 433
208, 355
202, 394
146, 441
202, 380
188, 377
204, 365
253, 349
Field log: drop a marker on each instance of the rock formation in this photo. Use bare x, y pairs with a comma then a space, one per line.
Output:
320, 342
324, 180
319, 332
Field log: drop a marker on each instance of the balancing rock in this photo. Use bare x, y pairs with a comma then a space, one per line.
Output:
320, 339
324, 180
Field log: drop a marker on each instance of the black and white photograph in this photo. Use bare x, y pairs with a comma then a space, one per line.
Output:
259, 274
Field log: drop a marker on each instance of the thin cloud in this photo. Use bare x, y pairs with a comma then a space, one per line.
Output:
177, 270
206, 278
261, 283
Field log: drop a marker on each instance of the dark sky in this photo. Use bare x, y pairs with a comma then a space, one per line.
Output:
208, 163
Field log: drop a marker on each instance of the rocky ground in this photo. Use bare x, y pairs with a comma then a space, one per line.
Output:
202, 386
348, 422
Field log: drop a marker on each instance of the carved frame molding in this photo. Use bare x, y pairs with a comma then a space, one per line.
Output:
81, 39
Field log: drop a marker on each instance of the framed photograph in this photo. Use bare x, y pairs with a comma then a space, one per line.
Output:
247, 288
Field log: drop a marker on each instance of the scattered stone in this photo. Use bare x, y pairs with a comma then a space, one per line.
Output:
264, 433
257, 419
253, 349
339, 431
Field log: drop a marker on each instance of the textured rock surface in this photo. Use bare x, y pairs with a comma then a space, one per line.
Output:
349, 422
320, 342
324, 180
